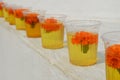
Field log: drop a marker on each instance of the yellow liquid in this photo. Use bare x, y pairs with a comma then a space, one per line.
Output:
77, 56
33, 32
20, 24
52, 39
5, 14
11, 19
1, 13
112, 73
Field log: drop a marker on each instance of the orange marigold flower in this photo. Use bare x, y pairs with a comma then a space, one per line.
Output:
50, 20
1, 3
84, 38
51, 24
1, 7
31, 18
75, 40
10, 11
113, 56
18, 13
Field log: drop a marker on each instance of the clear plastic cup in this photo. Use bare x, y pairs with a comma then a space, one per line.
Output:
82, 39
33, 23
112, 54
11, 16
19, 17
52, 31
1, 8
5, 11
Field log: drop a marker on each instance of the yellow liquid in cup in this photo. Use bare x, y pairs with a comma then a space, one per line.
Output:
11, 19
77, 56
5, 14
52, 39
20, 24
1, 13
112, 73
33, 32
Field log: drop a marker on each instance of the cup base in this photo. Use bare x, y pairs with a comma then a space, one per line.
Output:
11, 24
20, 28
33, 36
82, 64
52, 47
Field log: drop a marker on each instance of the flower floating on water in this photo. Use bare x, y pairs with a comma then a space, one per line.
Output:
85, 39
51, 24
32, 19
113, 56
10, 11
19, 14
1, 3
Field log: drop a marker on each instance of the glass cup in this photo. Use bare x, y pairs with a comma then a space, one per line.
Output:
112, 54
5, 11
52, 31
1, 9
33, 22
19, 18
82, 38
11, 16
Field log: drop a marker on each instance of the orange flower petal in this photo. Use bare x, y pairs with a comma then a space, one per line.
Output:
113, 56
85, 38
31, 18
10, 11
1, 3
50, 20
18, 13
51, 24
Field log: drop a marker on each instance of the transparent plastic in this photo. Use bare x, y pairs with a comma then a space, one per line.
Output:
52, 31
33, 22
82, 39
1, 8
19, 18
112, 54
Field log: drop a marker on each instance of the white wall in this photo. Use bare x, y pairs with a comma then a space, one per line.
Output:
76, 8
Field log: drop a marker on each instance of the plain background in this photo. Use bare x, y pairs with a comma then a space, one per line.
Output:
77, 9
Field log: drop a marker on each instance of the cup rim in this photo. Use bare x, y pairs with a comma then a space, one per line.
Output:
56, 15
95, 22
33, 11
37, 10
29, 11
107, 38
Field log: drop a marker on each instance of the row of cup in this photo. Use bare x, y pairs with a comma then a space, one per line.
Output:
36, 24
82, 37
